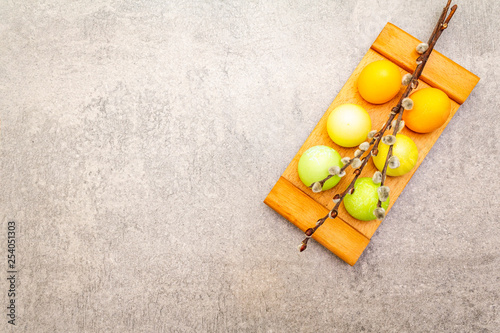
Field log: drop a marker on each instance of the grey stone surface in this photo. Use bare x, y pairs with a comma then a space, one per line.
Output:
138, 140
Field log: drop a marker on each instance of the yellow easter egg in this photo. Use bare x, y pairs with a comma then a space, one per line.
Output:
405, 149
348, 125
379, 82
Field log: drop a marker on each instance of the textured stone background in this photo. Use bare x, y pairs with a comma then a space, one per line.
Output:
139, 138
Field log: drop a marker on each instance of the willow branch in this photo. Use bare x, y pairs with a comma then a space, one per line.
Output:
421, 61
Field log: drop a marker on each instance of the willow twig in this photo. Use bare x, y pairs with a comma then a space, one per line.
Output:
421, 61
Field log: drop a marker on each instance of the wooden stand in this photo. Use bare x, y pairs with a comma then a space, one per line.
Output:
346, 236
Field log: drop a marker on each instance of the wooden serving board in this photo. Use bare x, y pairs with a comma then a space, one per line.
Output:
346, 236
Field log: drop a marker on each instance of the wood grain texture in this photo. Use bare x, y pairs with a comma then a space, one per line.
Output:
440, 72
309, 205
297, 207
